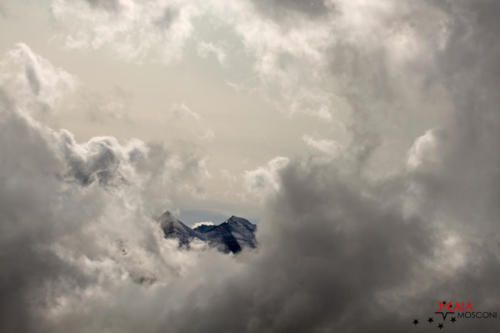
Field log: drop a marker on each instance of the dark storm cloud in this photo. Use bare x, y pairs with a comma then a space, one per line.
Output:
27, 223
326, 252
55, 233
466, 143
341, 254
462, 183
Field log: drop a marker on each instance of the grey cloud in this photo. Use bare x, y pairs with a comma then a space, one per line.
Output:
5, 100
277, 8
469, 69
338, 250
169, 16
340, 253
152, 29
3, 11
111, 5
56, 234
106, 107
33, 80
28, 224
320, 257
102, 161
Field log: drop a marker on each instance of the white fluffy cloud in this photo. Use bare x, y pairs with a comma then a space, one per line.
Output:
34, 82
133, 29
325, 146
197, 224
265, 180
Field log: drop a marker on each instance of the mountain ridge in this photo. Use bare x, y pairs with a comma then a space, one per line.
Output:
232, 235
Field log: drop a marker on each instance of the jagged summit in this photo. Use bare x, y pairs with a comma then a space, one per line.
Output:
174, 228
232, 235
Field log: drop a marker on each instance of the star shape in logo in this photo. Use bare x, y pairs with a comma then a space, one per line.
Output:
453, 319
430, 320
440, 326
444, 314
415, 322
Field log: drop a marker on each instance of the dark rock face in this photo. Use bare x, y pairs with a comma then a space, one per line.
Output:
205, 228
173, 228
232, 235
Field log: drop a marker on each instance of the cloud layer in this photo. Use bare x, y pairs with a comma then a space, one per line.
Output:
344, 246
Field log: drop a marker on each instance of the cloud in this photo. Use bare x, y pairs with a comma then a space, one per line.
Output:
294, 45
325, 146
34, 82
3, 11
180, 110
197, 224
339, 249
103, 106
265, 180
106, 4
207, 48
133, 30
101, 159
160, 31
77, 218
187, 124
312, 8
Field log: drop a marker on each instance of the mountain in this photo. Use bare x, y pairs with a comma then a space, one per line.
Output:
232, 235
174, 228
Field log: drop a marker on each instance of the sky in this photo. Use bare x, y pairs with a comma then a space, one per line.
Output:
362, 138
